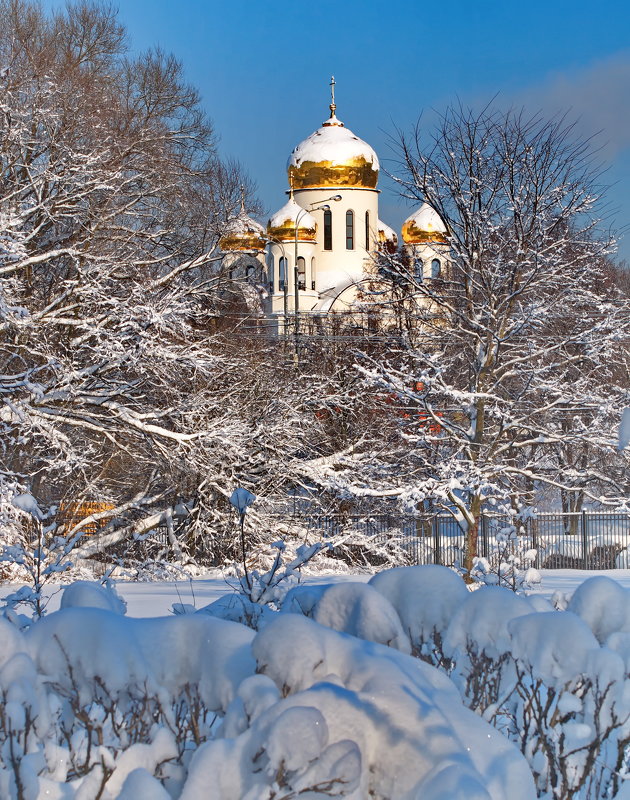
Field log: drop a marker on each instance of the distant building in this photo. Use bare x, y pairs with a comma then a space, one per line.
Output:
333, 203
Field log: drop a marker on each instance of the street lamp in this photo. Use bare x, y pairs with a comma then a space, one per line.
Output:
313, 207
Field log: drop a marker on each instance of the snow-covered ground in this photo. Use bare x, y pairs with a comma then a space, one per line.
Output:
156, 598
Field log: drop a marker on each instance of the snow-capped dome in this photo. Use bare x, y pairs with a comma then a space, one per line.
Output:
333, 156
386, 234
282, 224
243, 234
424, 225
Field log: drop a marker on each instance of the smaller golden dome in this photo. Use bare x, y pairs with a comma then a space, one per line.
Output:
243, 234
282, 225
386, 234
424, 226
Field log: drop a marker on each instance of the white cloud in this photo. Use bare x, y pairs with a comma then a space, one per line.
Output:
598, 95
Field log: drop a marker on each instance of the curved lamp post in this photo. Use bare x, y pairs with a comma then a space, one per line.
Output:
320, 206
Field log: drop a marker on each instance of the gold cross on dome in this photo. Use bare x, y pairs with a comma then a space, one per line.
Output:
333, 107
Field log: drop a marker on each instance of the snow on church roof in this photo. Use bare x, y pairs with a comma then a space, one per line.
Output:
385, 233
282, 224
424, 225
333, 156
243, 233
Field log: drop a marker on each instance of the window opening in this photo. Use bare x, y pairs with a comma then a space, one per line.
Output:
301, 268
349, 230
327, 230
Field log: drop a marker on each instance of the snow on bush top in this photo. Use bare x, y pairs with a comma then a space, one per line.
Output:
88, 594
603, 604
425, 597
339, 700
353, 608
556, 645
163, 654
482, 619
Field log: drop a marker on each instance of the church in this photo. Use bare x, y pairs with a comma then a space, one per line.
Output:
322, 244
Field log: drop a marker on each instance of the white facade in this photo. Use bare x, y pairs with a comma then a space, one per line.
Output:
352, 241
333, 203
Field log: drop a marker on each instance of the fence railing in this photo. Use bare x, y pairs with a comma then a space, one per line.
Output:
582, 540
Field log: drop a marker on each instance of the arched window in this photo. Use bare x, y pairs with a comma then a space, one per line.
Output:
313, 273
327, 230
418, 269
436, 268
283, 274
349, 230
367, 231
270, 271
301, 268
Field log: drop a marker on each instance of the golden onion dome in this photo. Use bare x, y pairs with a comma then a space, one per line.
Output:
332, 157
424, 226
243, 234
282, 225
386, 235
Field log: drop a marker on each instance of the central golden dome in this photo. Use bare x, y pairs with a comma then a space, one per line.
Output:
333, 157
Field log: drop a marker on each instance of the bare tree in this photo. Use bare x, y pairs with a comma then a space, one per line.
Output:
518, 354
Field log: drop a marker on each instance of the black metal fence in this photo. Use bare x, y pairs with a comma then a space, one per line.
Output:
583, 540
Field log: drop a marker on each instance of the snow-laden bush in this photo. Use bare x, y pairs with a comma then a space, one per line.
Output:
87, 696
552, 681
354, 608
96, 705
603, 604
426, 599
350, 719
478, 644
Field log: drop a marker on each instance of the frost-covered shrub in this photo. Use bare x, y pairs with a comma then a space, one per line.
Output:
340, 717
603, 604
354, 608
570, 707
87, 696
551, 681
478, 645
509, 564
543, 679
426, 599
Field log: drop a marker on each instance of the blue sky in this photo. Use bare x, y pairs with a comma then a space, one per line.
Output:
263, 70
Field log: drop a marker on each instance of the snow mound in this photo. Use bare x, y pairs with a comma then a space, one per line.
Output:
425, 598
353, 608
88, 594
603, 604
359, 718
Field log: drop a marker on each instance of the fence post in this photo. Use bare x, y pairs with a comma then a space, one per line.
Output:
585, 539
437, 558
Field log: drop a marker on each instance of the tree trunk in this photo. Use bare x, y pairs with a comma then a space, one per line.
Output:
472, 537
